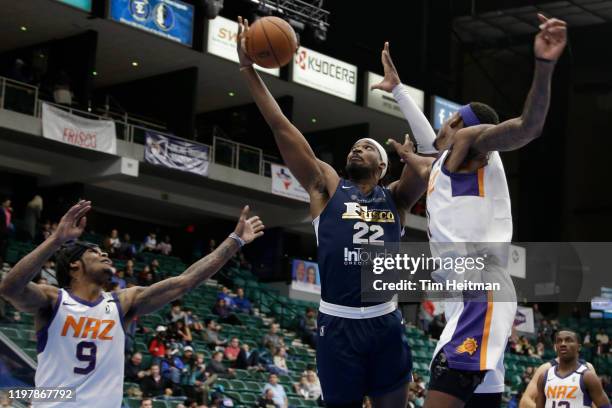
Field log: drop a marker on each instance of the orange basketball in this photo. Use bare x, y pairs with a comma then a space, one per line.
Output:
271, 42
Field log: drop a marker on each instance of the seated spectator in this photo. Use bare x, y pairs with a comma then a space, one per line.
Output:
197, 381
211, 334
48, 272
150, 243
176, 312
146, 403
278, 392
157, 346
308, 327
232, 349
225, 315
128, 274
272, 340
114, 242
181, 332
267, 400
154, 268
154, 384
165, 247
127, 250
119, 279
172, 366
188, 357
225, 295
216, 366
248, 360
602, 337
309, 386
279, 365
241, 303
193, 321
133, 369
148, 279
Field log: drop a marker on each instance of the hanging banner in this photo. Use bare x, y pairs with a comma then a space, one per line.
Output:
65, 127
285, 184
385, 102
523, 321
176, 154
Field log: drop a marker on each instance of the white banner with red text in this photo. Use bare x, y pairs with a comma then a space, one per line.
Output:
74, 130
285, 184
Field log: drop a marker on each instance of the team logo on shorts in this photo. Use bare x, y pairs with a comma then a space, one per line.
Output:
469, 346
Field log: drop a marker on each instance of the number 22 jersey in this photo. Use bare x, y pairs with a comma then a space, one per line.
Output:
82, 347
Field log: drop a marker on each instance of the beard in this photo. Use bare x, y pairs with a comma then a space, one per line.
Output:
357, 171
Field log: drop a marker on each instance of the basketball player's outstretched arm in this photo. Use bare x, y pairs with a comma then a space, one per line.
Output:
139, 301
17, 286
517, 132
316, 176
595, 390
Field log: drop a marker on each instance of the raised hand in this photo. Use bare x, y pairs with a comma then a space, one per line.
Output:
552, 38
391, 79
249, 228
73, 223
243, 29
403, 150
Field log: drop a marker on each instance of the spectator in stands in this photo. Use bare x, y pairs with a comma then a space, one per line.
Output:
128, 274
165, 247
193, 321
197, 381
127, 250
148, 279
308, 327
32, 215
6, 226
309, 386
602, 337
225, 314
154, 384
225, 295
241, 303
278, 392
146, 403
44, 232
540, 349
182, 332
172, 367
157, 346
248, 360
112, 243
272, 340
279, 362
267, 399
232, 349
176, 312
133, 369
216, 366
48, 272
150, 243
211, 334
62, 94
537, 316
188, 357
154, 268
119, 279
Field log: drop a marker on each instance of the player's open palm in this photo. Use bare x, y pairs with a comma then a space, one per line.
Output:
249, 228
243, 29
552, 38
73, 223
391, 79
403, 150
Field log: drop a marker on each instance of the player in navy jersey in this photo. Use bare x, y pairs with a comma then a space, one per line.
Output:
361, 347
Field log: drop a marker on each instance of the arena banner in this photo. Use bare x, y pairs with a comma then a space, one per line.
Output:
221, 41
285, 184
325, 74
62, 126
523, 321
384, 102
176, 154
305, 276
81, 4
171, 19
441, 110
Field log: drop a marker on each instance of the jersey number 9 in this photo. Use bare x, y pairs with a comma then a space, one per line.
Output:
86, 351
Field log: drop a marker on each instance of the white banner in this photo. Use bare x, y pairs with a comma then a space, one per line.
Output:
285, 184
77, 131
222, 34
517, 261
324, 73
523, 321
385, 102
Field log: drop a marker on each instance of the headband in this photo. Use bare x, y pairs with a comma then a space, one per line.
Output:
381, 151
468, 116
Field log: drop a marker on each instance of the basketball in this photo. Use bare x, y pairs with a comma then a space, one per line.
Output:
271, 42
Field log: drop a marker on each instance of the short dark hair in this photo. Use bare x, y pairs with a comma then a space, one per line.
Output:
484, 113
576, 335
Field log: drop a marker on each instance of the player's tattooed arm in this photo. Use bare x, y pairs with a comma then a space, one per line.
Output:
541, 396
595, 389
517, 132
143, 300
314, 175
17, 286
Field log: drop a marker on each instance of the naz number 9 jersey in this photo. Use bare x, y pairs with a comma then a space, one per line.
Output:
568, 391
82, 347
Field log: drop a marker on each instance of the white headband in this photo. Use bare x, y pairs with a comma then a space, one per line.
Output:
381, 150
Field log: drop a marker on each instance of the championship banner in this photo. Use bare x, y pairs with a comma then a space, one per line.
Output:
92, 134
523, 321
285, 184
176, 154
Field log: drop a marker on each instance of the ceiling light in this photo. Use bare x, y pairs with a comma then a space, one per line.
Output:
313, 120
24, 28
134, 63
231, 93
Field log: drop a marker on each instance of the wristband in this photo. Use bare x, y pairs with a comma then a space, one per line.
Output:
546, 61
241, 242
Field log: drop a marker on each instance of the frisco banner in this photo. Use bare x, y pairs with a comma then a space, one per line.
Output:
286, 185
92, 134
222, 34
384, 101
324, 73
176, 154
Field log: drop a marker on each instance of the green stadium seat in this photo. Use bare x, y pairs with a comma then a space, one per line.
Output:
10, 332
249, 398
226, 384
254, 386
159, 404
233, 395
296, 402
132, 402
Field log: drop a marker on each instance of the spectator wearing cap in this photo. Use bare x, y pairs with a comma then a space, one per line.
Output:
232, 350
216, 366
133, 369
278, 392
241, 303
155, 384
157, 346
172, 366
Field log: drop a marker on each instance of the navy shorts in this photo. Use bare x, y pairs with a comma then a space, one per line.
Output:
357, 357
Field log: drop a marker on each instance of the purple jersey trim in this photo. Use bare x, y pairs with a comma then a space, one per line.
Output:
43, 334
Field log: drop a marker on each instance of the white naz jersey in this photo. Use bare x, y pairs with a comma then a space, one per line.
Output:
82, 347
474, 208
568, 391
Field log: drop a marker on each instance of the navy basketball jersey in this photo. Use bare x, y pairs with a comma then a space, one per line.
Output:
349, 221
